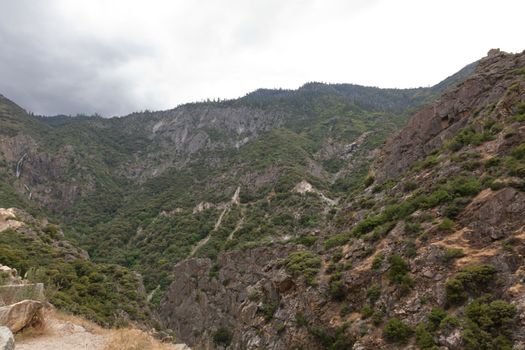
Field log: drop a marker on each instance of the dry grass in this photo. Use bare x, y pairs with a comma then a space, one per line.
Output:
65, 317
134, 339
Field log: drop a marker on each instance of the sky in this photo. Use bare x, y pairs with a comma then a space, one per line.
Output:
113, 57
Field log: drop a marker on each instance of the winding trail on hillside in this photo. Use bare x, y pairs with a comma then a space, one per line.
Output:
234, 201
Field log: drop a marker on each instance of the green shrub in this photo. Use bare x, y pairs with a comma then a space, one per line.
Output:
377, 261
269, 308
398, 269
409, 186
413, 228
492, 162
336, 288
373, 293
446, 225
424, 338
300, 319
452, 254
332, 339
435, 317
306, 240
337, 240
468, 136
435, 198
398, 274
489, 324
448, 324
305, 263
368, 224
471, 280
222, 336
369, 180
519, 152
367, 311
397, 331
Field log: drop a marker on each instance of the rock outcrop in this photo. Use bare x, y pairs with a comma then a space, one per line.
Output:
20, 315
430, 128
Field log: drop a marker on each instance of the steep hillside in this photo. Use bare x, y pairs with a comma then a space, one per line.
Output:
430, 254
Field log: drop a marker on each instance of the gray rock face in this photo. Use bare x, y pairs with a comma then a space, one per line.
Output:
251, 295
494, 215
7, 340
432, 126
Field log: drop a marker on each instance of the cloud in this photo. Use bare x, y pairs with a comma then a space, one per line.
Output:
115, 57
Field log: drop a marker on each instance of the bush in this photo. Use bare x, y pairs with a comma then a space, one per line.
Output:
409, 186
412, 228
489, 324
448, 324
269, 308
435, 317
305, 263
367, 311
336, 289
519, 152
398, 269
452, 254
300, 319
377, 261
446, 225
337, 240
397, 331
369, 180
333, 339
306, 240
471, 280
373, 293
222, 336
424, 338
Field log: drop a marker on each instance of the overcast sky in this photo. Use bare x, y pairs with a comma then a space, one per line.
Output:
117, 56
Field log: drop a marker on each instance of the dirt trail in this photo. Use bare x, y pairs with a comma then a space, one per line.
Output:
64, 335
66, 332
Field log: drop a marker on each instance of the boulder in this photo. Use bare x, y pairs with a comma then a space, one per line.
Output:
7, 340
20, 315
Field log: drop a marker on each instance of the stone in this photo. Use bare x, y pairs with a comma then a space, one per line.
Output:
452, 341
7, 340
283, 282
20, 315
69, 327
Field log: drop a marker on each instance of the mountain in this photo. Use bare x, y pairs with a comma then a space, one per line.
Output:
332, 216
429, 253
126, 189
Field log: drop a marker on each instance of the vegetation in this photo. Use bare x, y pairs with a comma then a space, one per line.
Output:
471, 280
397, 331
305, 263
398, 273
99, 292
331, 339
489, 324
222, 336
